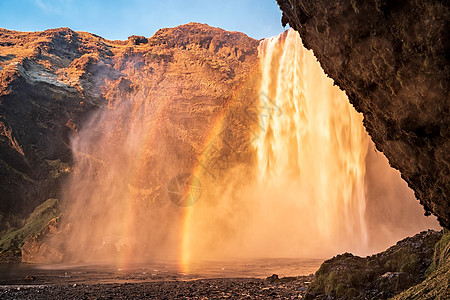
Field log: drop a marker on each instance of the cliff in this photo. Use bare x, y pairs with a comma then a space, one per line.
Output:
379, 276
391, 58
52, 82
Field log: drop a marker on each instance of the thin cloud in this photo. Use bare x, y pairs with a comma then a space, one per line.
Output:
41, 5
53, 7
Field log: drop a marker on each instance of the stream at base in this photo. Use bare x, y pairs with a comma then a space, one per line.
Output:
148, 271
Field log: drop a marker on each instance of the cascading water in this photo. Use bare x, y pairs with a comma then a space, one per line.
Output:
309, 185
316, 144
304, 195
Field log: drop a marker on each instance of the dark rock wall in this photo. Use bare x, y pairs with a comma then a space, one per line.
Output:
392, 59
38, 114
379, 276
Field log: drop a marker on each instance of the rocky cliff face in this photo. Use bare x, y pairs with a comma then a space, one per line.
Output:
380, 276
53, 81
391, 57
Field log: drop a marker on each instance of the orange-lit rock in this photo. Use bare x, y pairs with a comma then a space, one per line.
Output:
51, 81
37, 249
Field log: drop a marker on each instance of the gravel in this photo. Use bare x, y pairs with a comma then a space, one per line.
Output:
226, 288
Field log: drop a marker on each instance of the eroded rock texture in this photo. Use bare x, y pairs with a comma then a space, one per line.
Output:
392, 59
379, 276
51, 82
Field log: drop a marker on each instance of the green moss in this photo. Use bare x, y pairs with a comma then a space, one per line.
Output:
352, 293
341, 290
410, 264
436, 285
12, 241
441, 253
329, 282
339, 281
14, 171
381, 276
58, 168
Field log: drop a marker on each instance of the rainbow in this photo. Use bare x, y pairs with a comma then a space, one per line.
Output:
186, 219
185, 253
185, 246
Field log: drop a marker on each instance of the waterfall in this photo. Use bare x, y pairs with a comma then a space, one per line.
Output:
301, 192
310, 139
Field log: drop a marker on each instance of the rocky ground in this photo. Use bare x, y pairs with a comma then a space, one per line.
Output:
231, 288
415, 268
386, 274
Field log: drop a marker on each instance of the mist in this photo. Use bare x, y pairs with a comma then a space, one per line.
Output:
299, 179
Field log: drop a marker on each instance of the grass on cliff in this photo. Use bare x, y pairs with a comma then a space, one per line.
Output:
437, 283
12, 240
382, 275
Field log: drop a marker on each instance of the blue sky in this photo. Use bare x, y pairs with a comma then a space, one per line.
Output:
118, 19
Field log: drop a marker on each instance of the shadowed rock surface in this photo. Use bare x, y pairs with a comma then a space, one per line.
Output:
436, 285
44, 216
392, 59
379, 276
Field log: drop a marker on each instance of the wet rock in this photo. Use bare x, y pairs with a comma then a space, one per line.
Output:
436, 285
29, 278
42, 219
36, 250
272, 278
379, 276
40, 249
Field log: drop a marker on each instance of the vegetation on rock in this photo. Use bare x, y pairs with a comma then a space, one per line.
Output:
13, 240
436, 285
379, 276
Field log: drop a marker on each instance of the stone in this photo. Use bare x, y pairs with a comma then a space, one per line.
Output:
273, 278
36, 250
137, 40
379, 276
